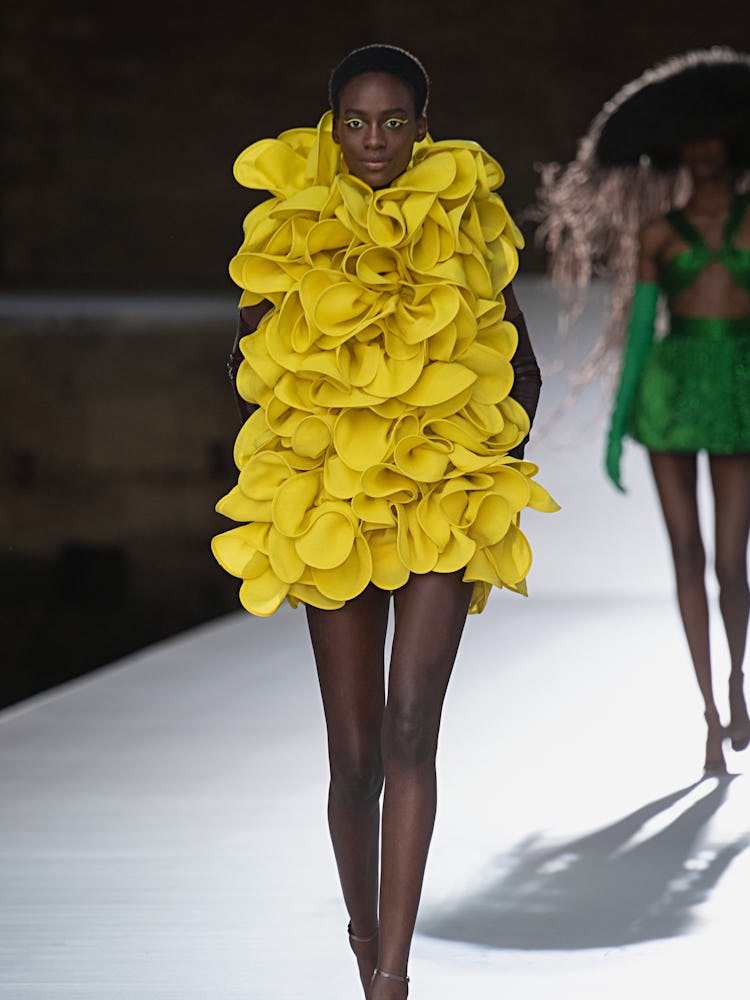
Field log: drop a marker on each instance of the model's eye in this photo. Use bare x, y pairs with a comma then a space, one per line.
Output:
354, 123
396, 123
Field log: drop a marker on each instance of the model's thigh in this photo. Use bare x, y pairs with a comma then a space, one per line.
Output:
730, 478
430, 613
348, 645
675, 475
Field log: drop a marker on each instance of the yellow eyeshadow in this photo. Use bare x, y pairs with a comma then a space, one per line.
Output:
401, 121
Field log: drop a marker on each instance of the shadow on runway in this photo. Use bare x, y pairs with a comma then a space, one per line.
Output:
599, 890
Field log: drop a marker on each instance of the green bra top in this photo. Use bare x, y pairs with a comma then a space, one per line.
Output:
681, 271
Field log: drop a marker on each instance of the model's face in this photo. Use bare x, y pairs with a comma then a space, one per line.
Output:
705, 157
377, 127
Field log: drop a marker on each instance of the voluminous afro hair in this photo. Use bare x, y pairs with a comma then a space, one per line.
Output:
381, 59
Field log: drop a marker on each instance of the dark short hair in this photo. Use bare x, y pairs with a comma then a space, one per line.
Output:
381, 59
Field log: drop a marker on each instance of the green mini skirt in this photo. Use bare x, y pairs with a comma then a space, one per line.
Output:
694, 391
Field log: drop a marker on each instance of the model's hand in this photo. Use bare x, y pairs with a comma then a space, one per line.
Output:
614, 457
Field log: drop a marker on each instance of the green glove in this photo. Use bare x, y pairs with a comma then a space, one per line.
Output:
640, 338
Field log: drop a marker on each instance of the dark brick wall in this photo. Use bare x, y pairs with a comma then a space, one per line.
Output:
121, 121
117, 429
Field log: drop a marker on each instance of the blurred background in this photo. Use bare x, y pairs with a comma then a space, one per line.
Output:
119, 214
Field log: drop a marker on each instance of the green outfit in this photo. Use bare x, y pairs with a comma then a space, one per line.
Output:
694, 392
689, 391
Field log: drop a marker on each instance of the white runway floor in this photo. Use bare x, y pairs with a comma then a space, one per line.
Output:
162, 827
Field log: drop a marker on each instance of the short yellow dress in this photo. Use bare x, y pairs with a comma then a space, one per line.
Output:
382, 373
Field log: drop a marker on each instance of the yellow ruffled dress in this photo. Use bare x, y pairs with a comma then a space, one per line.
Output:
382, 374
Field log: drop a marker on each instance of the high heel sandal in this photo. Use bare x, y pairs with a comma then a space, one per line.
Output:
354, 940
738, 734
392, 975
738, 737
714, 764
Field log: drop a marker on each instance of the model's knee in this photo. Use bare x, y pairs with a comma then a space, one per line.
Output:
689, 557
409, 735
356, 778
732, 576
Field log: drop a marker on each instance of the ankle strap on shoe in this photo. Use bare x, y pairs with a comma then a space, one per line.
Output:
390, 975
361, 940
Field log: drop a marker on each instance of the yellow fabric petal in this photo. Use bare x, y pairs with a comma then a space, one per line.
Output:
437, 382
415, 547
373, 511
270, 165
387, 481
358, 363
388, 571
311, 437
512, 556
492, 519
361, 438
328, 540
494, 374
264, 594
283, 557
262, 475
457, 553
424, 311
395, 376
386, 225
339, 479
540, 499
514, 487
434, 171
422, 460
433, 521
308, 593
241, 551
283, 419
350, 577
293, 501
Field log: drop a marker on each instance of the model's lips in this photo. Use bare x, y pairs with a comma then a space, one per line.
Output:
374, 164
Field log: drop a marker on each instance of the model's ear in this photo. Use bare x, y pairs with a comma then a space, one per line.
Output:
421, 127
335, 131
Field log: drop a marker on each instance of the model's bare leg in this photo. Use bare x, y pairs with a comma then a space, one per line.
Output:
676, 477
430, 614
730, 475
349, 652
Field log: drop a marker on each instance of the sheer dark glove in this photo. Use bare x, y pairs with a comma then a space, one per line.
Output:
247, 322
527, 379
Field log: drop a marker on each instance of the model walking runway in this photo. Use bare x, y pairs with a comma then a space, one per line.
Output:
163, 834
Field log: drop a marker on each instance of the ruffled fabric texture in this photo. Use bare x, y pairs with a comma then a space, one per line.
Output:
382, 373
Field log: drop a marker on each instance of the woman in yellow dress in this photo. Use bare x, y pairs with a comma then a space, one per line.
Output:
387, 385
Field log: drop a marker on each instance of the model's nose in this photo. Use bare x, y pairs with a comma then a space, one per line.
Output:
374, 137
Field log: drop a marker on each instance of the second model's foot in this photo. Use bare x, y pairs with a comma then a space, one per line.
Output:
738, 729
388, 986
365, 948
715, 763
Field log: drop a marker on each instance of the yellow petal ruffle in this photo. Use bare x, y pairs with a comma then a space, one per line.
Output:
382, 373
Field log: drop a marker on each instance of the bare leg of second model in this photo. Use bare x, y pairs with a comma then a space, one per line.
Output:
676, 481
730, 476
